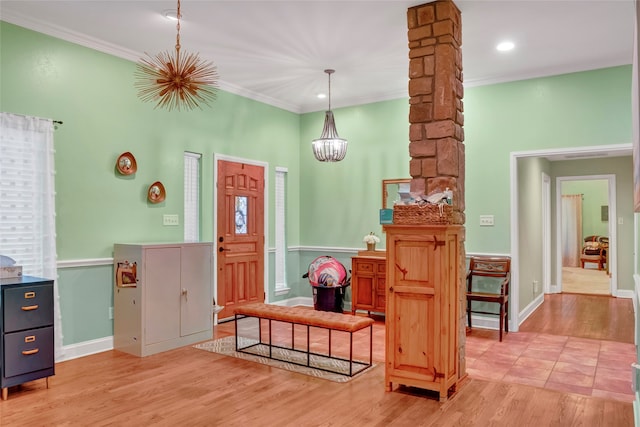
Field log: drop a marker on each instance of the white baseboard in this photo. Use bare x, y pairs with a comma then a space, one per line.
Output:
86, 348
529, 309
624, 293
486, 322
290, 302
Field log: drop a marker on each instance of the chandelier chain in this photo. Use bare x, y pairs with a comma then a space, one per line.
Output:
178, 28
329, 91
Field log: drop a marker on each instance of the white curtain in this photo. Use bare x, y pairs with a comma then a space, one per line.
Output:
571, 230
27, 201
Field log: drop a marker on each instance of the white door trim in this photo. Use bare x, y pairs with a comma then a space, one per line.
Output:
546, 233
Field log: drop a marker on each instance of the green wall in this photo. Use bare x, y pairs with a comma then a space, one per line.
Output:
93, 94
595, 194
530, 232
340, 202
330, 207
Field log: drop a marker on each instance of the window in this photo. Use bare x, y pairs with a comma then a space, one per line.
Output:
191, 197
27, 201
281, 241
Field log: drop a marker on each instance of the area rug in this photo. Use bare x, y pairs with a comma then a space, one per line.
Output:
226, 346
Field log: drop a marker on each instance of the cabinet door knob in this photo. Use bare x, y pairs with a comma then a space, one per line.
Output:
184, 291
29, 307
29, 352
390, 288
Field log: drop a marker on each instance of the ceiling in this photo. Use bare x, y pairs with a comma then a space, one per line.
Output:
276, 51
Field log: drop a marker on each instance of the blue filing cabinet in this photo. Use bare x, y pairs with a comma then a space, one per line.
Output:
26, 331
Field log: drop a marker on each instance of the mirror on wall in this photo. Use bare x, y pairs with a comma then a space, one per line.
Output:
394, 190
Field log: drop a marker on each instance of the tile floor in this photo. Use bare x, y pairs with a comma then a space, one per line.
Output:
577, 365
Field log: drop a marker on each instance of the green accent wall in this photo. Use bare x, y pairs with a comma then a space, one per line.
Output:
93, 94
340, 202
572, 110
329, 205
595, 194
85, 297
530, 231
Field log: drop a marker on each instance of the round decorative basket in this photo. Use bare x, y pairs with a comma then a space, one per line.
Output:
422, 214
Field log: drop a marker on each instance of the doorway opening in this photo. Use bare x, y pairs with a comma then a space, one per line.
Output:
586, 237
518, 313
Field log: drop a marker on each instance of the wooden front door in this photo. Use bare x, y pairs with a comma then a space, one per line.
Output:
240, 240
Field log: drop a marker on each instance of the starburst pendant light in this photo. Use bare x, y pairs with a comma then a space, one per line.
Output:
329, 147
176, 79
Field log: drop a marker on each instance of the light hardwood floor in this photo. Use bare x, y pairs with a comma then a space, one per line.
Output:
585, 281
190, 387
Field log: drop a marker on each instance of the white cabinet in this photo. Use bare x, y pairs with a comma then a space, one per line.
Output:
168, 304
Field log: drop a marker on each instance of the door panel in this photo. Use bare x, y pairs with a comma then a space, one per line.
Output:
412, 307
162, 293
240, 227
413, 340
195, 281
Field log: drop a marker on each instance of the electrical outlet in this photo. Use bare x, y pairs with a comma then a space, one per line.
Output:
486, 220
620, 221
110, 313
170, 220
536, 287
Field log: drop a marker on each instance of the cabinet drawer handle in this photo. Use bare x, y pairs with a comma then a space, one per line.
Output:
29, 352
30, 338
29, 307
30, 294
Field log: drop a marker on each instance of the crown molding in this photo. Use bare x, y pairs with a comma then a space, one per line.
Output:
123, 53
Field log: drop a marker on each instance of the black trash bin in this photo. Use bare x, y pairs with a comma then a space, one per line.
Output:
329, 280
328, 298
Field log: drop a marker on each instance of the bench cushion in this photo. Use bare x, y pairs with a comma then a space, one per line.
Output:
306, 316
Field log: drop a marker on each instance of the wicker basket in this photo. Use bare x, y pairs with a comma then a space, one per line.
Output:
425, 214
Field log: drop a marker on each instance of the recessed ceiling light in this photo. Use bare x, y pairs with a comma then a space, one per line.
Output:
505, 46
171, 14
322, 96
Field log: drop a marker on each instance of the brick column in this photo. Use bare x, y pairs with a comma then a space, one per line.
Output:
435, 90
436, 118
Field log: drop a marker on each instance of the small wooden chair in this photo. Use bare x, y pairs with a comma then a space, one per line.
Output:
595, 251
488, 281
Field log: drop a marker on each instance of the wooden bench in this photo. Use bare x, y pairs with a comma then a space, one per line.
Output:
310, 318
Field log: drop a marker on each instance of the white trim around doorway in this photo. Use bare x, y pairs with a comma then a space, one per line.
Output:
585, 152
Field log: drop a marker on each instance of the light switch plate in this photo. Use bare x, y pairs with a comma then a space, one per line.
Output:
486, 220
170, 220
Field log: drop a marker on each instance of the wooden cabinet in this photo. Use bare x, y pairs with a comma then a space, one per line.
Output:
169, 303
368, 278
26, 326
422, 307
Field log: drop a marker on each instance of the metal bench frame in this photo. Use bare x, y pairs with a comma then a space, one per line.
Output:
308, 351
